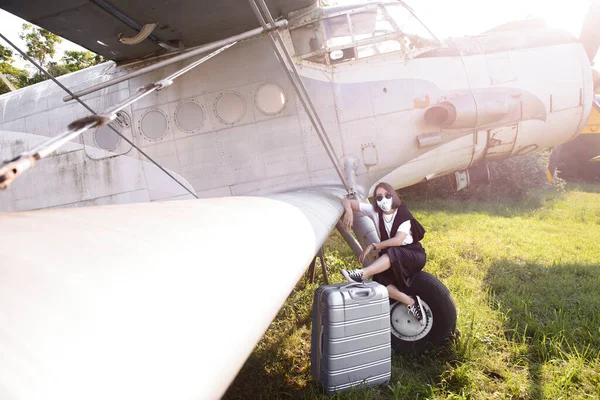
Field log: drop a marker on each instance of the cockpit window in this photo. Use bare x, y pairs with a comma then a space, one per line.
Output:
416, 34
337, 31
308, 38
370, 24
342, 34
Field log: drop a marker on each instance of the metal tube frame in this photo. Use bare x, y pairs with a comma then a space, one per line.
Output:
191, 53
286, 61
11, 169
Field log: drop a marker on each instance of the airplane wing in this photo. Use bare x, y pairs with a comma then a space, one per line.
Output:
98, 24
160, 300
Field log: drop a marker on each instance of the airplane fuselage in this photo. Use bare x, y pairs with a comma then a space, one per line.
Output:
234, 126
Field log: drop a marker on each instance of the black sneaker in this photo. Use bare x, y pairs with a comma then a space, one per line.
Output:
353, 275
417, 310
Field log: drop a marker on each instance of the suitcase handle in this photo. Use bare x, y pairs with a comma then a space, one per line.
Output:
362, 284
321, 343
361, 294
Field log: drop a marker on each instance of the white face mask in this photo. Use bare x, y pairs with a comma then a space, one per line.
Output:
385, 204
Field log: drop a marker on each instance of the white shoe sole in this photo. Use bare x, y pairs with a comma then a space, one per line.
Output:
345, 275
422, 321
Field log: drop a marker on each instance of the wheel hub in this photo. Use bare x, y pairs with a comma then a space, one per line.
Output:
405, 326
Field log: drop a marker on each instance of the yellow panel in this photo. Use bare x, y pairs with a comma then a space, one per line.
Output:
593, 123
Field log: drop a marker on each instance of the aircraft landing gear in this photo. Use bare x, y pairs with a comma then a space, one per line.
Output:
408, 335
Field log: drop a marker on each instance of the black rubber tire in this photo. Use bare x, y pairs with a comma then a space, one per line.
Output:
438, 298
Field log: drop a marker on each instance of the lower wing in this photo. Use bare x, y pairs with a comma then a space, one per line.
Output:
149, 300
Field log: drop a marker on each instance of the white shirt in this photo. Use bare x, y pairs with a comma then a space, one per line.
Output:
369, 211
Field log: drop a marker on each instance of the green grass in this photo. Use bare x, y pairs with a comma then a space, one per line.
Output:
526, 280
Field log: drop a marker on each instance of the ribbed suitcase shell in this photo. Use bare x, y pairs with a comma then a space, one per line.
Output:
351, 336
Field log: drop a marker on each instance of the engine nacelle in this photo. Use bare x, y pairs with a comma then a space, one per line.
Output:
484, 107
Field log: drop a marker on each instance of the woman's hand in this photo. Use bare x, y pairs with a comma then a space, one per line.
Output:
348, 216
348, 219
365, 253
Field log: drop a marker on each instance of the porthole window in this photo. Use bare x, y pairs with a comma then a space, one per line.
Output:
153, 124
189, 116
270, 99
105, 138
230, 108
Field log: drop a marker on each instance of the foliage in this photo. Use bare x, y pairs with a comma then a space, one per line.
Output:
514, 178
5, 54
18, 77
40, 43
573, 159
74, 60
525, 281
41, 46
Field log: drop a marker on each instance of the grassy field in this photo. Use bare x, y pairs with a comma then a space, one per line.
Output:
526, 280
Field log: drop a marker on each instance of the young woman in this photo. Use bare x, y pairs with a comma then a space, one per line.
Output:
401, 255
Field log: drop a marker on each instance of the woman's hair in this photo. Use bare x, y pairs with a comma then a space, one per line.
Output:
395, 197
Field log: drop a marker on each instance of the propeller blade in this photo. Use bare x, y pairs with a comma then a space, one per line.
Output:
590, 33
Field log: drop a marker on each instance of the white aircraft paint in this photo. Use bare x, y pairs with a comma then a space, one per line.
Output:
148, 324
134, 274
74, 177
372, 109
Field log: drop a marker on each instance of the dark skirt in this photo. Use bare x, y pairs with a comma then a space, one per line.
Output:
406, 261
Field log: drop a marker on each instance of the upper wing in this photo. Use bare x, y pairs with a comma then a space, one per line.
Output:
96, 24
150, 300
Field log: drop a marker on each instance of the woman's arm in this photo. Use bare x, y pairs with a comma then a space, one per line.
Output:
395, 241
349, 206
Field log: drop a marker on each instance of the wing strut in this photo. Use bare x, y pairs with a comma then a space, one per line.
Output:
263, 14
251, 34
10, 170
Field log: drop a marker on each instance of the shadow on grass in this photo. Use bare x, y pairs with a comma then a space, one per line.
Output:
551, 312
270, 373
279, 366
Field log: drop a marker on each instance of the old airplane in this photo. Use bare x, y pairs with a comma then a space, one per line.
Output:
301, 106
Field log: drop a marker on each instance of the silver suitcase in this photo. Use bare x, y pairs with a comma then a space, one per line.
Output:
351, 336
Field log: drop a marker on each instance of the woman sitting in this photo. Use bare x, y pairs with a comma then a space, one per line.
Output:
401, 255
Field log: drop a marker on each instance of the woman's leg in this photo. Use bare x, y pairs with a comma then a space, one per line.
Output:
397, 295
381, 264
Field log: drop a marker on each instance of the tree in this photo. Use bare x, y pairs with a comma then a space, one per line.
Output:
72, 61
41, 44
5, 54
75, 60
18, 77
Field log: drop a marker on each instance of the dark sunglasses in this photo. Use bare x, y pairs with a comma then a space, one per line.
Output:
380, 197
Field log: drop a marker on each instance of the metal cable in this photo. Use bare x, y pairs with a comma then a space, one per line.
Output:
297, 84
309, 101
95, 113
266, 11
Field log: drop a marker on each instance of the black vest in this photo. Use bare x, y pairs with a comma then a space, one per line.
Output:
403, 214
